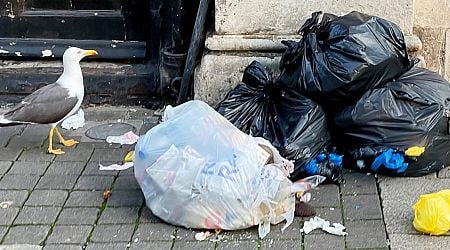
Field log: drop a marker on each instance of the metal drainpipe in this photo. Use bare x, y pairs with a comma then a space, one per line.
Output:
197, 40
177, 25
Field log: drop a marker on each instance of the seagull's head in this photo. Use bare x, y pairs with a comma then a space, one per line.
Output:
74, 54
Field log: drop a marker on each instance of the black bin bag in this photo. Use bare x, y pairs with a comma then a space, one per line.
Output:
294, 124
388, 124
339, 58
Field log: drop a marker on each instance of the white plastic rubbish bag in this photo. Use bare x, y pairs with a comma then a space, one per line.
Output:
199, 171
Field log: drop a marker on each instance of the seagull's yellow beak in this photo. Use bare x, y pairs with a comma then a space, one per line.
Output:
90, 52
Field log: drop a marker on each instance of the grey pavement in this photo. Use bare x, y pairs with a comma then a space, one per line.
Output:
57, 202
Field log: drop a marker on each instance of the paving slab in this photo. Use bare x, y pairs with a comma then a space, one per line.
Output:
5, 166
85, 199
81, 152
112, 233
36, 155
411, 241
238, 245
3, 230
69, 234
66, 168
18, 182
8, 215
108, 155
115, 215
127, 198
323, 241
325, 196
360, 207
78, 216
281, 244
359, 183
17, 197
193, 245
155, 232
110, 246
37, 215
366, 234
10, 153
27, 234
47, 198
29, 167
94, 182
62, 247
52, 181
8, 132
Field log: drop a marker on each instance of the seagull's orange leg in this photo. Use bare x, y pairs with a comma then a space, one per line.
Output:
67, 143
51, 150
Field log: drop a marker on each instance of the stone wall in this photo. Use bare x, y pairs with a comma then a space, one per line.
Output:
432, 26
247, 30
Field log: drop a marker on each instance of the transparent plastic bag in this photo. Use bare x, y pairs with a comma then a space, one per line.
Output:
199, 171
432, 213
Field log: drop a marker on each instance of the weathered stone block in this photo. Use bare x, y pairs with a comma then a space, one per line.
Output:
219, 74
286, 17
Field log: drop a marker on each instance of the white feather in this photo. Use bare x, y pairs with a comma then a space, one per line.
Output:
3, 120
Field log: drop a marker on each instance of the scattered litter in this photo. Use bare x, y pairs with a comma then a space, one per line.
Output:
75, 121
116, 167
18, 53
136, 240
46, 53
218, 231
317, 222
2, 51
106, 194
125, 139
129, 157
6, 204
431, 213
172, 236
331, 208
202, 236
306, 197
128, 245
205, 173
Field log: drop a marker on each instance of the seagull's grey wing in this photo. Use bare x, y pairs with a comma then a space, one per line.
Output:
48, 104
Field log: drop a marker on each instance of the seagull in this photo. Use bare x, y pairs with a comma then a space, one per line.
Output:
55, 102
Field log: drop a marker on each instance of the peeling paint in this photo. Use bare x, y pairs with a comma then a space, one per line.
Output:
18, 53
46, 53
3, 51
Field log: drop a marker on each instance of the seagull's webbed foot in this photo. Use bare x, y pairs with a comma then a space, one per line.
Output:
67, 143
56, 151
51, 150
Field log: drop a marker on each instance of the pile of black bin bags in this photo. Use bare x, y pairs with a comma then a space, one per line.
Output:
351, 77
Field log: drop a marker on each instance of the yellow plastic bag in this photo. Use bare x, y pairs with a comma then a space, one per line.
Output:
432, 213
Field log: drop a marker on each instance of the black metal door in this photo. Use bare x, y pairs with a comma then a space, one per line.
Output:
118, 29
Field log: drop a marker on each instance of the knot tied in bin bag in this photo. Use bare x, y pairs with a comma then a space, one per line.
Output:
432, 213
294, 124
199, 171
400, 129
339, 58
